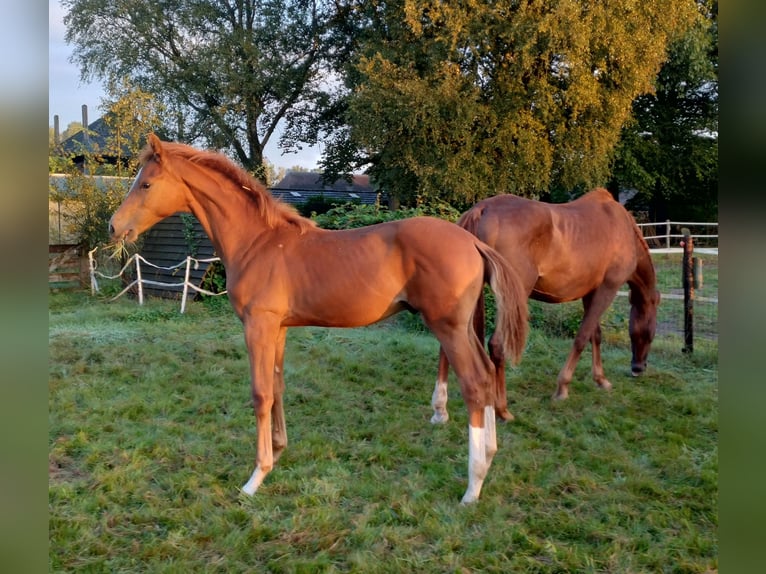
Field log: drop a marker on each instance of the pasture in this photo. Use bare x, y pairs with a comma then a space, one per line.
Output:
152, 434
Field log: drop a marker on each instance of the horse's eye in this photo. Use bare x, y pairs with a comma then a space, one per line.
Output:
146, 185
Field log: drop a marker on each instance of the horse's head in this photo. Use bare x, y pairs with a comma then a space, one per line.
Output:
156, 193
643, 323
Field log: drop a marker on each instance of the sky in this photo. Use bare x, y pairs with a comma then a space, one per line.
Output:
67, 93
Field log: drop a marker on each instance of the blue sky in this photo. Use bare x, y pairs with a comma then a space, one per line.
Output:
67, 94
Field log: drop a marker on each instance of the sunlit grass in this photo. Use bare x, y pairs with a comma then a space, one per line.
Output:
152, 434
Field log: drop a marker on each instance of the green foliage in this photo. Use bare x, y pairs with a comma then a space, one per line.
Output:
151, 434
669, 153
317, 205
131, 114
351, 215
89, 205
190, 233
228, 72
214, 279
462, 101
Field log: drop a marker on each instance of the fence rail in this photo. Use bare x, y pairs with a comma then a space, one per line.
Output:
673, 230
186, 284
136, 260
669, 291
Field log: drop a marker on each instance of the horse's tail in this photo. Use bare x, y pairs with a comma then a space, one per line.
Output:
511, 321
470, 220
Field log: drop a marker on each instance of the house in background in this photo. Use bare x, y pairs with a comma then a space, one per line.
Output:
92, 141
299, 186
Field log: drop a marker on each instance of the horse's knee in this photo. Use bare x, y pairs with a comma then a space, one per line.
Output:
262, 403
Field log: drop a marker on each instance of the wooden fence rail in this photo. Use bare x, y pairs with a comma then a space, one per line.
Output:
674, 230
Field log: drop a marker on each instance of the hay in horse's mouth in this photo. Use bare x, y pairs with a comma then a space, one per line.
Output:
119, 248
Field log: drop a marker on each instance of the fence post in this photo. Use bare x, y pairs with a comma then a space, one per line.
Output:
688, 284
92, 268
186, 283
667, 233
139, 281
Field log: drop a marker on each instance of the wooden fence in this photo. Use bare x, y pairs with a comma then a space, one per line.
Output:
667, 235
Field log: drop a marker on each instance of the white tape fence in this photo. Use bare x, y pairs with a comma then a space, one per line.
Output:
136, 260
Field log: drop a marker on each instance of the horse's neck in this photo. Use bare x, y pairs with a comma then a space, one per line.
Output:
222, 209
644, 280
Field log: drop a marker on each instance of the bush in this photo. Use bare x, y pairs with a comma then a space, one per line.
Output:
348, 216
89, 207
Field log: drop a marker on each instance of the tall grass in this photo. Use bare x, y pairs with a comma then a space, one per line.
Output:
152, 434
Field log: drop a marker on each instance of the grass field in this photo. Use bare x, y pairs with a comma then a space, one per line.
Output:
152, 435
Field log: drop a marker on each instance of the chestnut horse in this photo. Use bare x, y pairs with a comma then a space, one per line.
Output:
282, 271
585, 249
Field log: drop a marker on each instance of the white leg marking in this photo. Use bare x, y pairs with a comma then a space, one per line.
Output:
439, 403
490, 430
477, 463
255, 481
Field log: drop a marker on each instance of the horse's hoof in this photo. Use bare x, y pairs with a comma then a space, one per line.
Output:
561, 396
505, 415
604, 384
439, 419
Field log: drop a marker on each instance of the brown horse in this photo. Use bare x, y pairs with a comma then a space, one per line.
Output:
586, 249
282, 271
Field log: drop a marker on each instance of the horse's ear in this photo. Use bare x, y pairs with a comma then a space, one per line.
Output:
156, 145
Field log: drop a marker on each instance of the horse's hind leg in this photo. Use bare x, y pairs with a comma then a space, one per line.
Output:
474, 371
278, 426
439, 397
498, 360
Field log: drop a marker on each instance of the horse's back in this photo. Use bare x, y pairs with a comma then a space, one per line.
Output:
561, 250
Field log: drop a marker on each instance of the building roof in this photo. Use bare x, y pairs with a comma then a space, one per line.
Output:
97, 134
299, 186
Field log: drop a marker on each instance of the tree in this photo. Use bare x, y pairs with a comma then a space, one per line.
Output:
130, 114
89, 199
463, 100
670, 152
230, 71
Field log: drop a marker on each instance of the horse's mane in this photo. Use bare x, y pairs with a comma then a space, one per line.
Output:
647, 267
271, 209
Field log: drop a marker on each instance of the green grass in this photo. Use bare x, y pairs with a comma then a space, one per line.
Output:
152, 435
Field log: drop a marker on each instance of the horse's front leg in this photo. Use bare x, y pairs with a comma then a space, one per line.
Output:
598, 366
261, 335
594, 305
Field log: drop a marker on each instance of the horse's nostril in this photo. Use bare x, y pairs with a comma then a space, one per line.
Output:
111, 229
